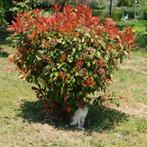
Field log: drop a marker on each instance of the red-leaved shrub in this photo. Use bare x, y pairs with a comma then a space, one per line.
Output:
68, 54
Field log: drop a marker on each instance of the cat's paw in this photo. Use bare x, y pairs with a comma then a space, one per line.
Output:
72, 123
81, 128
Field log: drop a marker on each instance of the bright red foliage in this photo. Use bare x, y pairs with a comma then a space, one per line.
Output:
89, 82
68, 21
127, 39
111, 29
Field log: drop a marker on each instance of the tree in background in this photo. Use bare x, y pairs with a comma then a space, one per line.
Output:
110, 9
1, 13
126, 3
5, 15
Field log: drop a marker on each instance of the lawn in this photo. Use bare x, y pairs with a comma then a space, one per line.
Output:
23, 122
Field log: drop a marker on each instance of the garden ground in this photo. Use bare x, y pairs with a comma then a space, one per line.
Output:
23, 123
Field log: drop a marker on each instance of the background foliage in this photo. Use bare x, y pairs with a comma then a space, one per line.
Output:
9, 8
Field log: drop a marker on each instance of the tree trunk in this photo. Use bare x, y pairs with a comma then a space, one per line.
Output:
110, 9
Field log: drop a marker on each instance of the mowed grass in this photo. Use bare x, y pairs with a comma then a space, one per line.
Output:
131, 78
24, 124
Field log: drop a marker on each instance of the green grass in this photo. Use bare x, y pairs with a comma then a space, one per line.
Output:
130, 83
23, 122
138, 25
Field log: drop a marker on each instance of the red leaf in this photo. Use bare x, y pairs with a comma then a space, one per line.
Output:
68, 9
84, 84
56, 7
101, 71
90, 82
67, 108
101, 63
65, 97
63, 56
95, 20
79, 63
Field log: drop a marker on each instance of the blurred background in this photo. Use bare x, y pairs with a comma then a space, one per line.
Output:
132, 12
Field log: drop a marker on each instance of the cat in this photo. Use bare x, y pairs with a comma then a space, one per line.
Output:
79, 117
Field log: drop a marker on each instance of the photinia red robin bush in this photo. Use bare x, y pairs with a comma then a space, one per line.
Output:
68, 54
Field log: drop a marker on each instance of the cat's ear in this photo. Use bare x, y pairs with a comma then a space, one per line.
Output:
81, 104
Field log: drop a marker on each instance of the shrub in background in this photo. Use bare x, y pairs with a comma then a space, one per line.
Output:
68, 55
4, 7
128, 3
130, 12
98, 5
98, 9
2, 11
101, 13
145, 13
141, 39
24, 5
117, 14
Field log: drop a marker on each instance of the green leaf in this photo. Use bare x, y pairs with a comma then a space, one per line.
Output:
88, 64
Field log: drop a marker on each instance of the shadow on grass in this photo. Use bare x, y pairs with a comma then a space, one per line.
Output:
3, 54
103, 118
3, 41
3, 35
98, 119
